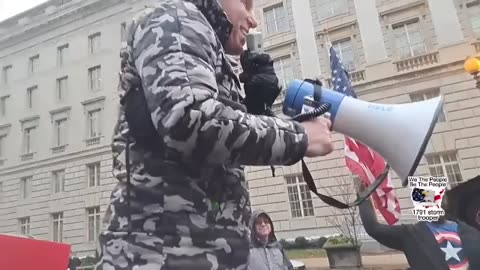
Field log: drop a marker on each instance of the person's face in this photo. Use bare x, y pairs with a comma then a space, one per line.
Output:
240, 13
263, 227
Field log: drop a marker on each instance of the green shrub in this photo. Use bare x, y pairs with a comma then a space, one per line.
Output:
339, 240
283, 243
76, 262
321, 241
301, 242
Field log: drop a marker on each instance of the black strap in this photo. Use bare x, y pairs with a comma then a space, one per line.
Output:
307, 176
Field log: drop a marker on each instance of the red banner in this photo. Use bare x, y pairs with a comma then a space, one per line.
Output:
17, 253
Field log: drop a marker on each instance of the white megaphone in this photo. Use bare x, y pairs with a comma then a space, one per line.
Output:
398, 132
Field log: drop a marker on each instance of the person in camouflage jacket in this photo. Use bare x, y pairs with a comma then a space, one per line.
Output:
182, 202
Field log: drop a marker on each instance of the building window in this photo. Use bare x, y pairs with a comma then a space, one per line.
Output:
473, 13
425, 95
284, 69
123, 32
60, 132
57, 227
275, 19
58, 181
344, 50
475, 21
25, 187
93, 174
94, 78
94, 43
28, 137
3, 106
93, 120
94, 130
31, 96
329, 8
445, 164
62, 85
61, 52
33, 64
408, 39
93, 220
299, 196
6, 74
24, 225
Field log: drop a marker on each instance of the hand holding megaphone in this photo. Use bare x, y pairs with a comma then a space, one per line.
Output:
398, 132
320, 141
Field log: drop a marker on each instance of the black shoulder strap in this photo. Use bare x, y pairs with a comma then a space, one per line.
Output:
307, 176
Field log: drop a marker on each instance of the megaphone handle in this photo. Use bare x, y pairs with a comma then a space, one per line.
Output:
307, 176
324, 108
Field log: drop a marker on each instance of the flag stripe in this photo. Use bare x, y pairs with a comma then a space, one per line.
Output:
360, 159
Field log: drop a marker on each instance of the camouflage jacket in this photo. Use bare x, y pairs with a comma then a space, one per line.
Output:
186, 206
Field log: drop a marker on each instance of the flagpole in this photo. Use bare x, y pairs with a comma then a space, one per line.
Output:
354, 151
328, 43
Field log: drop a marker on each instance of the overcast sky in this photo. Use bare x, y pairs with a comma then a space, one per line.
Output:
9, 8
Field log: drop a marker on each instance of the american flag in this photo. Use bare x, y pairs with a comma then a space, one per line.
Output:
428, 196
361, 160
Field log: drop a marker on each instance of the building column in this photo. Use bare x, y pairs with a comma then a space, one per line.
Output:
371, 31
306, 44
446, 22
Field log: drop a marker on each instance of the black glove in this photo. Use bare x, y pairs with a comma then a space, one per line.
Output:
260, 82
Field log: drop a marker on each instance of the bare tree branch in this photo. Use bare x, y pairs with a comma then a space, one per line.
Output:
345, 221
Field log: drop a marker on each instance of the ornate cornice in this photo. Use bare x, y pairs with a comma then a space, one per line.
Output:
39, 26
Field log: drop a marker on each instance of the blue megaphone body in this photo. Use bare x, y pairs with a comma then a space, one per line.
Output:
398, 132
298, 91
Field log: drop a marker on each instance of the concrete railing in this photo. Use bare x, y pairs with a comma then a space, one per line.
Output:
416, 62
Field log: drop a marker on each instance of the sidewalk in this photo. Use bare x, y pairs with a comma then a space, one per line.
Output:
393, 261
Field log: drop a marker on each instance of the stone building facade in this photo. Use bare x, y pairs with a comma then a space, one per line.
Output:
59, 64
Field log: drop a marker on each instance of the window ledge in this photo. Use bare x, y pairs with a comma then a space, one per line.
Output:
389, 9
341, 25
269, 45
28, 156
59, 149
355, 77
476, 45
303, 218
93, 141
417, 62
358, 76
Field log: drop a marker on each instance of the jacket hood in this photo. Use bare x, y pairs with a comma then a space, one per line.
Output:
271, 239
213, 11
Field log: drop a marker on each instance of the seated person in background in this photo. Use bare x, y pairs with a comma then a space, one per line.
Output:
439, 245
265, 251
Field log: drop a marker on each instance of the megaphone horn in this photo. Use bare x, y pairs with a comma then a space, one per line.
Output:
398, 132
